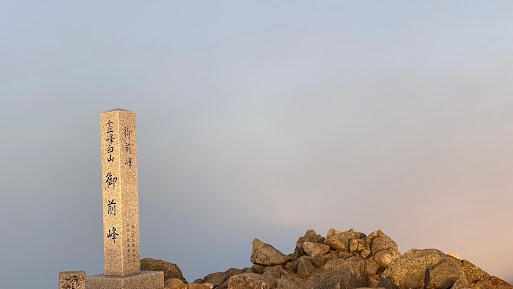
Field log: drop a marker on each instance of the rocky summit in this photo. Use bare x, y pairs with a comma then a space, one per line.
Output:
340, 260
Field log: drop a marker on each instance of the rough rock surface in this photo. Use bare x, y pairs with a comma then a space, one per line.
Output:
340, 273
315, 249
341, 260
265, 254
170, 270
215, 279
304, 268
409, 271
339, 242
445, 274
250, 281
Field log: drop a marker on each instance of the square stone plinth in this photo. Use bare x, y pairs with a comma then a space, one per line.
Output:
72, 280
143, 280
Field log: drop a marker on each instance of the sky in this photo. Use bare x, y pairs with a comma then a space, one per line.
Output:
256, 119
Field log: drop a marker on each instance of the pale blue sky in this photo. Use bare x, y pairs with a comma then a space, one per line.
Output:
259, 119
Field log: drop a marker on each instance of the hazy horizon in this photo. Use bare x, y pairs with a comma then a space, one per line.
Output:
257, 120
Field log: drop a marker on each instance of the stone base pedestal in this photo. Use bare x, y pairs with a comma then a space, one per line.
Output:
143, 280
72, 280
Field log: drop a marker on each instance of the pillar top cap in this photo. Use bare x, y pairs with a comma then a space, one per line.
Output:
117, 109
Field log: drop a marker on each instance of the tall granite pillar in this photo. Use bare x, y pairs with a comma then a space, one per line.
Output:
121, 207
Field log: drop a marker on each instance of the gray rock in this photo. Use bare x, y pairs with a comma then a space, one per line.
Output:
298, 251
339, 242
170, 270
386, 257
251, 281
198, 281
409, 271
319, 239
232, 271
265, 254
381, 243
318, 261
357, 245
332, 232
225, 284
444, 274
357, 235
372, 236
493, 283
461, 284
473, 273
304, 268
387, 283
215, 279
339, 273
258, 268
315, 249
371, 267
273, 272
354, 234
310, 236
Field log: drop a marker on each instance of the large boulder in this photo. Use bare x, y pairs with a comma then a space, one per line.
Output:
381, 243
473, 273
382, 248
386, 257
332, 232
304, 268
232, 271
409, 271
224, 285
371, 267
342, 274
372, 236
310, 236
267, 255
445, 274
315, 249
493, 283
251, 281
215, 279
170, 270
340, 241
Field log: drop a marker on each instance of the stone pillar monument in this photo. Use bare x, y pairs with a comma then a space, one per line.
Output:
121, 207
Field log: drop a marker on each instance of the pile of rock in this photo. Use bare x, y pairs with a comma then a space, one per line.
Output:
347, 259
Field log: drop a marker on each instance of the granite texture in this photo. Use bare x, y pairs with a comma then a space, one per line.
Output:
120, 193
143, 280
72, 280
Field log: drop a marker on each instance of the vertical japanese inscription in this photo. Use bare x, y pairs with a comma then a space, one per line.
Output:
110, 180
120, 193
